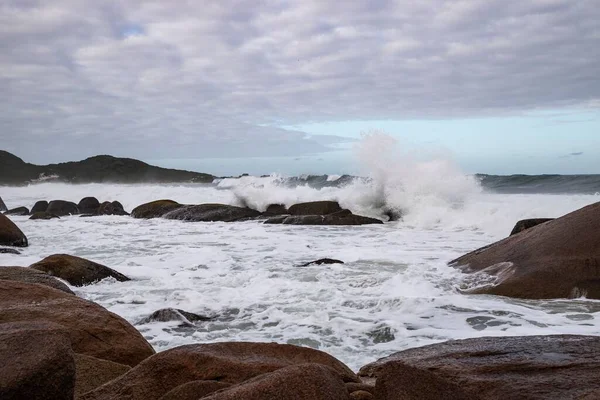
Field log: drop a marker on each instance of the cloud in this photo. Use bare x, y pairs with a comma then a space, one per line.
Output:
159, 79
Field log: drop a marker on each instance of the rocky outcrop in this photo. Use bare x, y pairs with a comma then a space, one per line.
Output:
231, 363
111, 208
92, 372
315, 208
98, 169
28, 275
62, 208
2, 206
155, 209
43, 215
342, 219
321, 261
88, 205
173, 314
276, 209
525, 224
18, 211
557, 259
10, 234
37, 361
76, 270
40, 206
530, 367
211, 213
92, 330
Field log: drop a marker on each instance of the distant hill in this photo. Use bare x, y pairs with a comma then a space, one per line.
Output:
98, 169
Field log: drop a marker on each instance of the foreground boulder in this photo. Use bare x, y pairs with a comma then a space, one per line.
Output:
231, 363
527, 367
10, 234
18, 211
525, 224
92, 372
332, 219
2, 206
43, 215
315, 208
557, 259
92, 330
88, 205
76, 270
211, 213
195, 390
28, 275
62, 208
37, 361
155, 209
40, 206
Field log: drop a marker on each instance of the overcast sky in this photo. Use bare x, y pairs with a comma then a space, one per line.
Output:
503, 85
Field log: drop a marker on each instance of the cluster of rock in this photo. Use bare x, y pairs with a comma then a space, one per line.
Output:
88, 206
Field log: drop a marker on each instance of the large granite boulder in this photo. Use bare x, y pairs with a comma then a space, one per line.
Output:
92, 329
62, 208
20, 211
40, 206
155, 209
315, 208
10, 234
525, 224
231, 363
195, 390
92, 372
37, 362
508, 368
211, 213
76, 270
88, 205
28, 275
2, 206
557, 259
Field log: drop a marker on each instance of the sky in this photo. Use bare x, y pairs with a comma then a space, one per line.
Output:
499, 86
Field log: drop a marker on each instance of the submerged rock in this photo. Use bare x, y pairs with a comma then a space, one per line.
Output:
10, 234
62, 208
155, 209
557, 259
88, 205
211, 213
332, 219
28, 275
6, 250
174, 314
315, 208
43, 215
40, 206
526, 367
18, 211
321, 261
76, 270
525, 224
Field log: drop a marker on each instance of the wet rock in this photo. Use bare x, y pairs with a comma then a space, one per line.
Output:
276, 209
5, 250
195, 390
231, 363
37, 362
10, 234
20, 211
92, 372
173, 314
62, 208
382, 334
392, 214
155, 209
40, 206
321, 262
43, 215
525, 224
297, 382
526, 367
325, 220
88, 205
2, 206
557, 259
92, 329
315, 208
76, 270
276, 220
211, 213
111, 208
28, 275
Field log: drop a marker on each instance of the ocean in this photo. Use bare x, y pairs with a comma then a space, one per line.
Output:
395, 290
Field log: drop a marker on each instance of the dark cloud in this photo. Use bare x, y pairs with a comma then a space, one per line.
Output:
159, 79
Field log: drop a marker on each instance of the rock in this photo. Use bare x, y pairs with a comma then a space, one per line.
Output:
398, 381
10, 234
2, 206
382, 334
155, 209
315, 208
211, 213
43, 215
76, 270
92, 372
88, 205
297, 382
37, 362
173, 314
195, 390
392, 214
323, 220
231, 363
40, 206
276, 209
18, 211
62, 208
6, 250
526, 367
525, 224
557, 259
111, 208
321, 261
93, 330
276, 220
28, 275
361, 395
